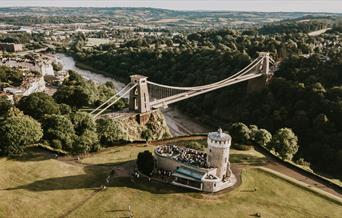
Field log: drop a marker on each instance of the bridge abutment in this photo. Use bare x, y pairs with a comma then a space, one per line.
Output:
143, 118
259, 83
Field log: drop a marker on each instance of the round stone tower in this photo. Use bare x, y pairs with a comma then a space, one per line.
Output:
218, 152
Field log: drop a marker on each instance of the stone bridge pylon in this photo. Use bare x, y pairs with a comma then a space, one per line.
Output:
139, 99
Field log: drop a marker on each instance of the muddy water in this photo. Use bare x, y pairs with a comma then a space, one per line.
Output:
69, 64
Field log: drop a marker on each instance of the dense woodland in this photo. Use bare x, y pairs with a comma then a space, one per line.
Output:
32, 20
303, 25
31, 41
56, 121
304, 95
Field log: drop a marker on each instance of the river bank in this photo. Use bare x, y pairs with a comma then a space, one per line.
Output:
91, 74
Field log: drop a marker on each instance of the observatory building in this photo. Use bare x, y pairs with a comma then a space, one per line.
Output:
204, 171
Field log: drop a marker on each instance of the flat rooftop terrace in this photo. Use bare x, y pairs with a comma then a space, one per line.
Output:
183, 155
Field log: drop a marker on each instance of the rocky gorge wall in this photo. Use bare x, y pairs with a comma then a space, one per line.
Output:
152, 126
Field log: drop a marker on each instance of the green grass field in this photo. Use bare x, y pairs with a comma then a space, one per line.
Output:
38, 186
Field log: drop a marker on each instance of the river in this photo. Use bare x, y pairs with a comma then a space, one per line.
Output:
178, 123
69, 64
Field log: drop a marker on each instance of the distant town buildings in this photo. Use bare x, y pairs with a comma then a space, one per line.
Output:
37, 74
11, 47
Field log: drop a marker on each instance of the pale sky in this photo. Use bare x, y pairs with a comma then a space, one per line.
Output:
229, 5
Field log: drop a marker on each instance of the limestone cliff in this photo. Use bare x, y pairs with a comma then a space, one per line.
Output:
152, 127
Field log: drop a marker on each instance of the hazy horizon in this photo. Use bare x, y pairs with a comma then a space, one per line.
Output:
333, 6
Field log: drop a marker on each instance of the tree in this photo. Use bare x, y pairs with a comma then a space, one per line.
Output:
110, 131
82, 121
17, 132
65, 109
145, 162
59, 131
10, 76
75, 95
240, 133
321, 122
147, 134
38, 104
262, 137
76, 91
57, 66
87, 142
285, 142
5, 105
85, 127
253, 130
106, 91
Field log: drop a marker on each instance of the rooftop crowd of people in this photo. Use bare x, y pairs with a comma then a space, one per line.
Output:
184, 155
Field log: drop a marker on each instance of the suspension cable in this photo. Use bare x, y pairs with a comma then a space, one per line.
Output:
117, 94
116, 100
248, 67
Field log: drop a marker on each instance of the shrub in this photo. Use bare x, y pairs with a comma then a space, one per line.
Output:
195, 145
241, 147
285, 142
262, 137
240, 133
145, 162
5, 105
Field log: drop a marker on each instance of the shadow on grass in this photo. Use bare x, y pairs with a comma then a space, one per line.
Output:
95, 177
247, 159
34, 154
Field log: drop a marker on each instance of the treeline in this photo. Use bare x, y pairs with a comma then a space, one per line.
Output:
31, 41
294, 27
21, 37
32, 20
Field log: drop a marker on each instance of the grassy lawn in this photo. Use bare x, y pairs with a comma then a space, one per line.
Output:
37, 186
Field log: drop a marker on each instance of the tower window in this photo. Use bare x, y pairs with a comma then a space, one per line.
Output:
225, 160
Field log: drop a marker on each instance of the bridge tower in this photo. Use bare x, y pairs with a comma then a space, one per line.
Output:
259, 83
138, 97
